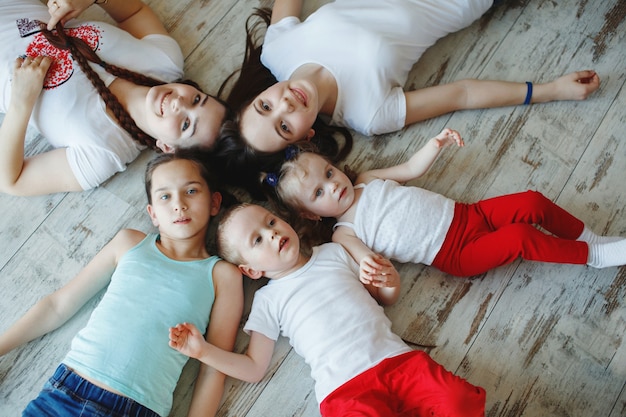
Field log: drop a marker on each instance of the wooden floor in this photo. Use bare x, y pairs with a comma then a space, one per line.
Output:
542, 339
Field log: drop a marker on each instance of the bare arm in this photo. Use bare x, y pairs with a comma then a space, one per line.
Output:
284, 8
222, 332
250, 367
434, 101
29, 176
134, 16
419, 163
55, 309
376, 272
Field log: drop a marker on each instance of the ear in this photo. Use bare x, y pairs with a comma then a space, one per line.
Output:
216, 203
152, 215
249, 272
164, 147
310, 216
310, 135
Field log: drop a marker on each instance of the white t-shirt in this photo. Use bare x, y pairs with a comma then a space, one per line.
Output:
369, 46
69, 112
329, 317
408, 224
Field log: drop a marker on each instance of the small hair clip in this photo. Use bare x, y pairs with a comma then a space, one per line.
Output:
271, 179
291, 152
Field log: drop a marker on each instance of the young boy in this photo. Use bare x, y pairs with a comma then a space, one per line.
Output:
359, 365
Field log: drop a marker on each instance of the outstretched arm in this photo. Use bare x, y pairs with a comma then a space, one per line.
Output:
434, 101
376, 272
55, 309
134, 16
222, 332
249, 367
284, 8
45, 173
419, 163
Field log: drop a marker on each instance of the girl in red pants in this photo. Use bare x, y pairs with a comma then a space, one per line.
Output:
379, 219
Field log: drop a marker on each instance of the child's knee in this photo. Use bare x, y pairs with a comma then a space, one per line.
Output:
464, 399
451, 395
520, 233
535, 199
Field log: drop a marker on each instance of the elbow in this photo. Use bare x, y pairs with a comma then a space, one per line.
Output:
254, 379
388, 302
462, 93
17, 187
255, 371
10, 187
255, 376
387, 298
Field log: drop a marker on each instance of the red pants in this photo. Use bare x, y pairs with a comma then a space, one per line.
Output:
497, 231
408, 385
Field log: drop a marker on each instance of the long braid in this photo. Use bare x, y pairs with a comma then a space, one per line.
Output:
82, 54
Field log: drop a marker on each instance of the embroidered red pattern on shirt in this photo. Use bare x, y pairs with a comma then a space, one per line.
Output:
63, 66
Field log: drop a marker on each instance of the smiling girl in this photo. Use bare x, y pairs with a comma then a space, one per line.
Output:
346, 66
99, 93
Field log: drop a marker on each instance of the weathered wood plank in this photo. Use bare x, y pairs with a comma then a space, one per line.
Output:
542, 339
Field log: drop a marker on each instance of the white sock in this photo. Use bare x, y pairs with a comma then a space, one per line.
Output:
604, 255
588, 236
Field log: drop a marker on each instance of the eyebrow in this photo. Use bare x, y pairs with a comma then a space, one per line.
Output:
187, 184
195, 123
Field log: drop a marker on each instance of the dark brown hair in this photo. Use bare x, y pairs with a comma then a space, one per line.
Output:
188, 154
241, 163
82, 54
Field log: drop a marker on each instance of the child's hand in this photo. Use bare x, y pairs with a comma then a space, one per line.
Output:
378, 271
187, 339
576, 86
448, 137
28, 76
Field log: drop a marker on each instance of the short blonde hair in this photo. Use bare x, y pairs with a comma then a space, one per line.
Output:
289, 185
226, 248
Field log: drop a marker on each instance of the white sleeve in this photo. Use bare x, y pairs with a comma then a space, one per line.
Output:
277, 29
93, 165
391, 115
261, 319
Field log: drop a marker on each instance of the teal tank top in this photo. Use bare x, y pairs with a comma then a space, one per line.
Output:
125, 342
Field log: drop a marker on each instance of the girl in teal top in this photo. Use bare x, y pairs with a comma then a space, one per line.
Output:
120, 362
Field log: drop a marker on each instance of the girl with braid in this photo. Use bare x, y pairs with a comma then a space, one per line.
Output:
99, 93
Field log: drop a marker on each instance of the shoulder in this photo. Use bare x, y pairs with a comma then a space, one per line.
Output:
122, 242
330, 250
334, 255
126, 239
365, 178
280, 27
226, 275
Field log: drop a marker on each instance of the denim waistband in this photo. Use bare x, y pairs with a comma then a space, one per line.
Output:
117, 404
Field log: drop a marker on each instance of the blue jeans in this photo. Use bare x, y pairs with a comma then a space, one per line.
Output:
67, 394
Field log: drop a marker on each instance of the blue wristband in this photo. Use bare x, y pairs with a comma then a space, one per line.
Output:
529, 93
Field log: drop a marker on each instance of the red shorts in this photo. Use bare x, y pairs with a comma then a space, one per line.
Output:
407, 385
